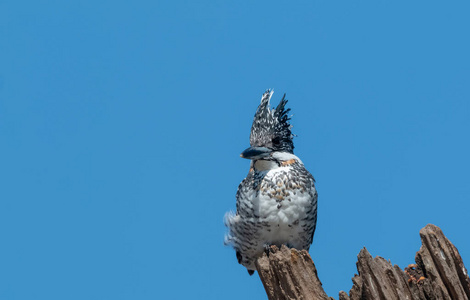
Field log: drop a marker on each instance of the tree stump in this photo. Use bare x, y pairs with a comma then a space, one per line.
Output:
289, 274
439, 273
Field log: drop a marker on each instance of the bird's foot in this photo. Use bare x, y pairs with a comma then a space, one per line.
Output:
268, 249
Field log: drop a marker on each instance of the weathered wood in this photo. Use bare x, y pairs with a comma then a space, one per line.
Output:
289, 274
439, 273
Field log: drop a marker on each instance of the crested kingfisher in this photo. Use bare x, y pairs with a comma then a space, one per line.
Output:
277, 201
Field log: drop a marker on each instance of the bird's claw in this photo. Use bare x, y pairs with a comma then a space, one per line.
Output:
268, 249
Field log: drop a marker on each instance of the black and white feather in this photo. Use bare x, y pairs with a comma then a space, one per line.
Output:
277, 201
271, 127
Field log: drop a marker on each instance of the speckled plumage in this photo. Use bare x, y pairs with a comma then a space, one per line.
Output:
277, 201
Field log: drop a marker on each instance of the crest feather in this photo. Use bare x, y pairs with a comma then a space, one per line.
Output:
271, 127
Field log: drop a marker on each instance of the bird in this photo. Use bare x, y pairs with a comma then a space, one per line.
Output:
276, 204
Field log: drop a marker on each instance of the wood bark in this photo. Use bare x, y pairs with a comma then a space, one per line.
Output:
289, 274
438, 273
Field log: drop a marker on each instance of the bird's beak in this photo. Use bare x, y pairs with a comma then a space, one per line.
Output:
255, 153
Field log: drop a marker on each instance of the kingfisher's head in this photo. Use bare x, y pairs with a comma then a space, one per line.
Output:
271, 131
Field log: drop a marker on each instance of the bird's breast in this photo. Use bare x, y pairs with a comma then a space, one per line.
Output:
281, 197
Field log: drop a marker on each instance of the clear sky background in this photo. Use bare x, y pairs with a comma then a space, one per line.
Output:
121, 125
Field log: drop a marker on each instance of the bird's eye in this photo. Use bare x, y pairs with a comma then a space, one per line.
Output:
276, 140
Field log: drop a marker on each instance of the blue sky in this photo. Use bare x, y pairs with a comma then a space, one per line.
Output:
121, 126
